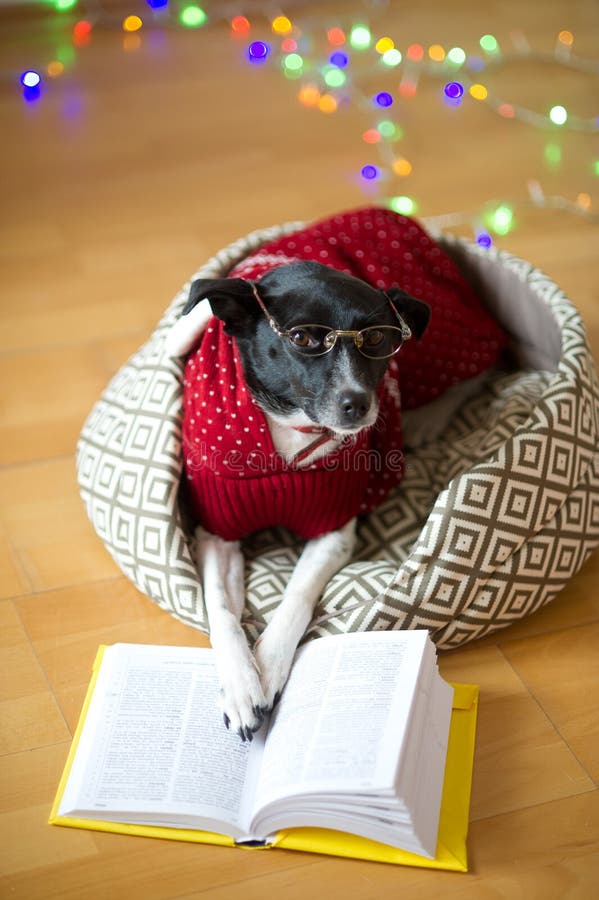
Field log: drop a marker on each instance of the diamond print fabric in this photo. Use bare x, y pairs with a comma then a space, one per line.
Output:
487, 526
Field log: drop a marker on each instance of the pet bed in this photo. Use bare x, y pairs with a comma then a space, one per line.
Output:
487, 526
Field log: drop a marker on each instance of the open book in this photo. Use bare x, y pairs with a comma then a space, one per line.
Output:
357, 744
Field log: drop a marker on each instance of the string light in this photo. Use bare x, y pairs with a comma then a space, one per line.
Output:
558, 115
370, 173
501, 219
453, 90
384, 45
327, 103
436, 52
309, 95
336, 37
258, 51
294, 64
489, 43
339, 76
132, 23
82, 33
193, 17
383, 99
360, 37
456, 57
392, 58
31, 78
415, 52
478, 91
281, 25
240, 25
339, 59
405, 206
333, 77
401, 167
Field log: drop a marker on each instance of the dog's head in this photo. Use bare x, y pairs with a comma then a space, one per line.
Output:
327, 377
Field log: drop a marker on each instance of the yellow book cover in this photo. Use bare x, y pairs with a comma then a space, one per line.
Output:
453, 822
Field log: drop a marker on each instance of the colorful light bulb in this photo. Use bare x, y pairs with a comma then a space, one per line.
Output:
415, 52
558, 115
403, 205
389, 130
401, 167
193, 17
132, 23
281, 25
339, 59
489, 43
336, 37
293, 62
383, 45
453, 90
370, 173
456, 56
258, 51
31, 78
502, 219
383, 99
240, 25
478, 91
391, 57
360, 37
334, 77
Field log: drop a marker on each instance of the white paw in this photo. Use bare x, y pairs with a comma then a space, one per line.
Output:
274, 662
242, 700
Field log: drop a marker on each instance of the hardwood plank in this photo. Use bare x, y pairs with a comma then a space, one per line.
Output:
571, 658
521, 764
29, 714
44, 519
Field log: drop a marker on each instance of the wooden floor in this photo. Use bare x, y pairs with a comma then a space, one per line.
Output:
134, 166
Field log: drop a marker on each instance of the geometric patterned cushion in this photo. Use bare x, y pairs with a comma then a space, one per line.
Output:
487, 526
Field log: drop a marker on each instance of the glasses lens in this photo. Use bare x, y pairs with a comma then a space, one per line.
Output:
311, 340
378, 343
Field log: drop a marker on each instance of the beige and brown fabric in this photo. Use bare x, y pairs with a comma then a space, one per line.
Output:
488, 525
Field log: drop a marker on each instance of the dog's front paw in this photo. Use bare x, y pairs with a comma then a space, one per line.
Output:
274, 662
242, 700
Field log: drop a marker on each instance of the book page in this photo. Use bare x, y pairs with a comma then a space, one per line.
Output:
343, 716
154, 748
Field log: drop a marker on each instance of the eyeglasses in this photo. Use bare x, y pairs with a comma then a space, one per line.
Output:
374, 342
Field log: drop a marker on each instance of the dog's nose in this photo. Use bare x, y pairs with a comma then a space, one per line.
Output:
353, 406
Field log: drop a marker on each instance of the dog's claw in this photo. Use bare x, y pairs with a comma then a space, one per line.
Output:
227, 721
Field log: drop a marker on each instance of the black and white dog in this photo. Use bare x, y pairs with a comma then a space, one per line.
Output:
314, 344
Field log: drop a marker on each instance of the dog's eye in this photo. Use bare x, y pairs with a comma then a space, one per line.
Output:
372, 337
302, 339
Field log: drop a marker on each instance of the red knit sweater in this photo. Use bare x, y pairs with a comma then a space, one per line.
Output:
236, 481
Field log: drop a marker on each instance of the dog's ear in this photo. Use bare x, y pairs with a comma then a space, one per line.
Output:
417, 313
231, 299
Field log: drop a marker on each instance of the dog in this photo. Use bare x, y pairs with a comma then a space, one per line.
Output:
293, 386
